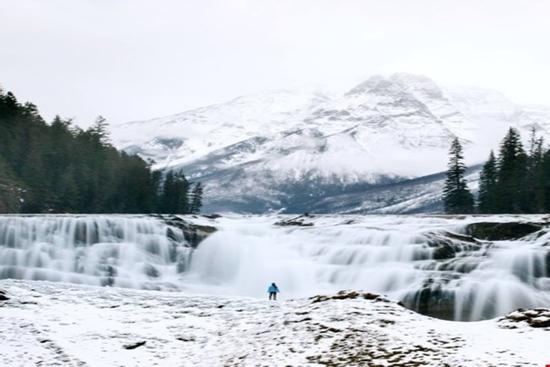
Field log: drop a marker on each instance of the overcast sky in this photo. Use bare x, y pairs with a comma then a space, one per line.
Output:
136, 59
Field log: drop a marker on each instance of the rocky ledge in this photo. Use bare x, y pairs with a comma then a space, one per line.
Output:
192, 232
494, 231
537, 318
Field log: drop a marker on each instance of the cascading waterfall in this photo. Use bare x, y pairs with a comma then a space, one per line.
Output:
125, 251
422, 261
426, 262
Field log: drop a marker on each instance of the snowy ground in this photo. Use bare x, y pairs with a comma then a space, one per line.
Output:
57, 324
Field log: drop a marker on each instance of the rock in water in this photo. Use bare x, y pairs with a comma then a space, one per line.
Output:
134, 345
501, 231
3, 296
300, 221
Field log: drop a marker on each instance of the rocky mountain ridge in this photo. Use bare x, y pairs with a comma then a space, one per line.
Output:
268, 151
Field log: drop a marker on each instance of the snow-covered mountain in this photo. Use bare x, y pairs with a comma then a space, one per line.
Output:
287, 150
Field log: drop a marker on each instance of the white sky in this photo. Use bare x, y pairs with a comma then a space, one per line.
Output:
136, 59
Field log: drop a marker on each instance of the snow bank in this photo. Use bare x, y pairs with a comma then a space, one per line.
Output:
74, 325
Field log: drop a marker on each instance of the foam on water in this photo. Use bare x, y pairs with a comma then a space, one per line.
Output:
400, 256
391, 255
127, 251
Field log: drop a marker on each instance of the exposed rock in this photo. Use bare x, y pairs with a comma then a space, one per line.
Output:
212, 216
192, 233
447, 244
537, 318
3, 296
300, 220
134, 345
151, 271
348, 295
433, 301
540, 321
501, 231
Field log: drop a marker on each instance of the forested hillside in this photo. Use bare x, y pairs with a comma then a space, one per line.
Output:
59, 167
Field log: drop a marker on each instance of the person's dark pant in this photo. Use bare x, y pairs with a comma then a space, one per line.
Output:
273, 296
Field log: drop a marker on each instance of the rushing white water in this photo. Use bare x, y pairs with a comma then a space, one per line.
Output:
420, 260
126, 251
392, 255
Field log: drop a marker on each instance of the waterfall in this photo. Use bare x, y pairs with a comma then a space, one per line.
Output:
426, 262
125, 251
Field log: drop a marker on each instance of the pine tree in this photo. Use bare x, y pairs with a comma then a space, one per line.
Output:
457, 198
100, 130
196, 198
181, 197
167, 195
511, 187
534, 193
487, 186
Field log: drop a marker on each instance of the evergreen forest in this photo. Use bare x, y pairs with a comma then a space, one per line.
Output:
58, 167
516, 180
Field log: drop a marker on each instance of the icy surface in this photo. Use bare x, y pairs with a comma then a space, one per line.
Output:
56, 324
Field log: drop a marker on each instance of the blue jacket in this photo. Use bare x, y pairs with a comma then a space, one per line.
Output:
272, 289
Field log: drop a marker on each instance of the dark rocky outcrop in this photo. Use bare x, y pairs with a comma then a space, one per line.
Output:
501, 231
537, 318
134, 345
432, 301
348, 295
301, 221
447, 244
191, 232
151, 271
212, 216
3, 296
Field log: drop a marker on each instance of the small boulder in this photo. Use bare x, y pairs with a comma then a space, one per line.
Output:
537, 318
212, 216
134, 345
301, 221
540, 321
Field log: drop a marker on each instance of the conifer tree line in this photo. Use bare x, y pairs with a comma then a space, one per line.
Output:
516, 180
60, 168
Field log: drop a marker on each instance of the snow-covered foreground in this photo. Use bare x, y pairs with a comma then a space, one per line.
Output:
58, 324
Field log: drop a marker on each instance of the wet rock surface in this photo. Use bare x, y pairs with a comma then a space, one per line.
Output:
303, 220
192, 232
502, 231
447, 245
3, 296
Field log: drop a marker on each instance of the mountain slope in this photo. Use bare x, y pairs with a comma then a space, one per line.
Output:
294, 150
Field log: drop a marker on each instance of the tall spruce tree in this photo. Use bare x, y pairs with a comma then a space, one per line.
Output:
457, 198
512, 187
487, 200
196, 198
175, 194
534, 180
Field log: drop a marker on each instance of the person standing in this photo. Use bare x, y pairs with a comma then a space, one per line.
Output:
273, 290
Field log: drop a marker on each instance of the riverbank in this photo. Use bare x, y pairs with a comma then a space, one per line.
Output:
51, 324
